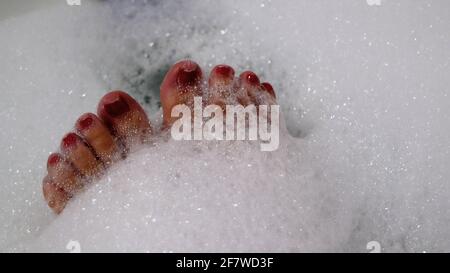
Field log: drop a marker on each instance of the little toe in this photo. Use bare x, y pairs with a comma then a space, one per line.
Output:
55, 196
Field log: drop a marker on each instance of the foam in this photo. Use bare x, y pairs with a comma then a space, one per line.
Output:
364, 157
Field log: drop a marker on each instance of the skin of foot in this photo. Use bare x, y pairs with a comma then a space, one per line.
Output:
99, 140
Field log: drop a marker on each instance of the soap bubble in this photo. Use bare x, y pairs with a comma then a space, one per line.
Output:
363, 155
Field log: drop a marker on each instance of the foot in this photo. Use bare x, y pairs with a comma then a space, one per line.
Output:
185, 80
100, 140
96, 142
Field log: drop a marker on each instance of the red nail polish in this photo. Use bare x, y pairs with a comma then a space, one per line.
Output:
53, 159
250, 78
224, 71
268, 87
117, 107
85, 122
69, 140
189, 74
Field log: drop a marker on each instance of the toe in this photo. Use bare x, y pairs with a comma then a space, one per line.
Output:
181, 84
124, 117
249, 86
221, 75
268, 87
63, 174
220, 84
95, 133
80, 155
55, 196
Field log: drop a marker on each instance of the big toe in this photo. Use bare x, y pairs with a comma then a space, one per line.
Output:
124, 117
181, 84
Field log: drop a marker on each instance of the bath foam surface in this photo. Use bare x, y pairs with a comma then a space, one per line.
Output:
363, 89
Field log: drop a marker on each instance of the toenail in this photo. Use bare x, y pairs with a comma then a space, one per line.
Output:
53, 159
117, 107
189, 74
251, 78
69, 140
224, 71
268, 87
85, 122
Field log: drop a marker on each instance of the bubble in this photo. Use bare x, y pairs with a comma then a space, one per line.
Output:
348, 171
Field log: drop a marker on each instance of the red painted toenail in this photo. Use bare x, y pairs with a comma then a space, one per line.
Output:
85, 122
268, 87
69, 140
251, 78
117, 107
53, 159
224, 71
189, 74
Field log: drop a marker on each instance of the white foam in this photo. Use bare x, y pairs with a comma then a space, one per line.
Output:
364, 91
